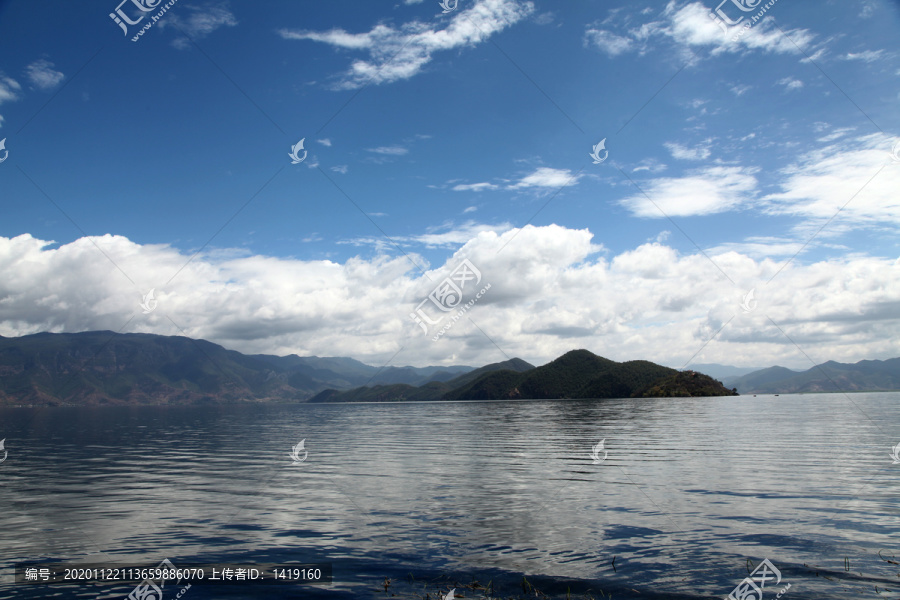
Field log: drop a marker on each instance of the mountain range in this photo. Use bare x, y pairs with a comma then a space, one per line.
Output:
107, 368
864, 376
103, 367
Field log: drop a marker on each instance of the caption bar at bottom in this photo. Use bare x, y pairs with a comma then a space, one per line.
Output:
219, 574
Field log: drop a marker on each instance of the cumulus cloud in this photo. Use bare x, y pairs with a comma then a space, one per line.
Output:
701, 192
42, 74
552, 289
400, 53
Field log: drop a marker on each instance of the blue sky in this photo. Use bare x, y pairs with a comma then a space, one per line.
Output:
748, 160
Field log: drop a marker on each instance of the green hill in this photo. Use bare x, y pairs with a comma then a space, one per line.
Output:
686, 384
435, 390
582, 374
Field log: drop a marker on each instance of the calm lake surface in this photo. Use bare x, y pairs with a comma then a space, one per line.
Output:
431, 494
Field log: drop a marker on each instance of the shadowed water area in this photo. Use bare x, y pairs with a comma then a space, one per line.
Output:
436, 495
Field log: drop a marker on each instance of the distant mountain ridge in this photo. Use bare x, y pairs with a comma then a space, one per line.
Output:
103, 367
864, 376
576, 374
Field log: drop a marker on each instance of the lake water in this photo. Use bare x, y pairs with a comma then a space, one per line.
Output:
436, 495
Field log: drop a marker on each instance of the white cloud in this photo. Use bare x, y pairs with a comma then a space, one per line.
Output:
42, 74
740, 90
546, 177
866, 56
9, 89
389, 150
706, 191
691, 27
447, 235
607, 41
396, 54
836, 134
843, 175
325, 142
474, 187
340, 169
683, 153
200, 22
470, 209
790, 83
650, 165
646, 302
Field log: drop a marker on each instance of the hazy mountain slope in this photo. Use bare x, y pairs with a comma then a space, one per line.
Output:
866, 375
103, 367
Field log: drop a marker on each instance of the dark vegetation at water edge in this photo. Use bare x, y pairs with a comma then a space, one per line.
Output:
576, 374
